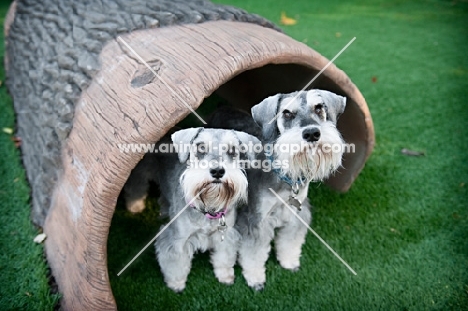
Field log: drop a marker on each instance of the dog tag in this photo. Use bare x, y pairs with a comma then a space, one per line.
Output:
222, 227
295, 202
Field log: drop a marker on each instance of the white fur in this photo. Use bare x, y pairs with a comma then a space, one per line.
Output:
312, 161
193, 177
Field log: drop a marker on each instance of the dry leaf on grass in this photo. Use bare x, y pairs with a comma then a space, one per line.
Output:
412, 152
7, 130
287, 21
40, 238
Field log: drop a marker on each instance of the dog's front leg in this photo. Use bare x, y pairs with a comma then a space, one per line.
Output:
224, 255
253, 254
175, 259
289, 240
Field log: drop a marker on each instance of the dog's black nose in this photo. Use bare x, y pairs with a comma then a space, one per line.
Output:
217, 172
311, 134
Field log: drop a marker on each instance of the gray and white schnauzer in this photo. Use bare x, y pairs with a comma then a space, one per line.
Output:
302, 145
203, 173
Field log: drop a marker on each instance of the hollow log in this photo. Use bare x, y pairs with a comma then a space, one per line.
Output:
79, 91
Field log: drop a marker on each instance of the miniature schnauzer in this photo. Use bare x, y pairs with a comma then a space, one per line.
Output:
203, 173
301, 145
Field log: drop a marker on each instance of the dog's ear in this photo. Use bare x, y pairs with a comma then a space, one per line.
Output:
265, 112
183, 140
342, 105
336, 104
244, 139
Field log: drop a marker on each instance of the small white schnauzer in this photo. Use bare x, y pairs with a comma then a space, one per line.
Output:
203, 173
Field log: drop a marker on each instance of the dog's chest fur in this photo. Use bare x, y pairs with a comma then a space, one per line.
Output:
273, 209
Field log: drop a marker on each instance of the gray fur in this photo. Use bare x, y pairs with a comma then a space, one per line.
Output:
264, 213
264, 112
191, 231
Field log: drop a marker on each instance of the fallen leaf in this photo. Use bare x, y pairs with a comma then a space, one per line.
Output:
374, 79
338, 34
40, 238
7, 130
28, 294
288, 21
412, 152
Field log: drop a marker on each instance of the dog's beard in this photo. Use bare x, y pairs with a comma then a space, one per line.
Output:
215, 196
312, 161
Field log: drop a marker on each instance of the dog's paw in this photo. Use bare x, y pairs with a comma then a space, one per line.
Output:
225, 275
136, 206
288, 261
291, 265
258, 287
255, 279
176, 286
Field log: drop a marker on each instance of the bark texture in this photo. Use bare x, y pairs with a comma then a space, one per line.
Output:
54, 48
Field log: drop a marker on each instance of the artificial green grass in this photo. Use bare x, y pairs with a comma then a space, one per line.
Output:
23, 271
403, 225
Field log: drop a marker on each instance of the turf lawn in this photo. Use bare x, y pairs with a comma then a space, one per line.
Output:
403, 225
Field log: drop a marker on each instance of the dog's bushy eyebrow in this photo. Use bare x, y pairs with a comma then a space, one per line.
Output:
290, 102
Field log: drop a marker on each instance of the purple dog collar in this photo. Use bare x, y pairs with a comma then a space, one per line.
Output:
217, 215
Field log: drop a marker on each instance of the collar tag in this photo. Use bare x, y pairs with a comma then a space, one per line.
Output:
222, 227
295, 188
293, 200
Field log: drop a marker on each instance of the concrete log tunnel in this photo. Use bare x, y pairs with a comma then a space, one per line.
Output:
240, 57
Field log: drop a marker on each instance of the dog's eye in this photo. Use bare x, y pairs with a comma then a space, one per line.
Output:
201, 149
288, 114
318, 108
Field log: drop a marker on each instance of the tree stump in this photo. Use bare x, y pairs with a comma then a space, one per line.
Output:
79, 91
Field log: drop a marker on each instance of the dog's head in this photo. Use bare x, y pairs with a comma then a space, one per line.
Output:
302, 127
212, 157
